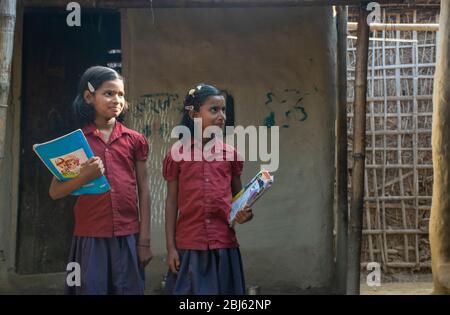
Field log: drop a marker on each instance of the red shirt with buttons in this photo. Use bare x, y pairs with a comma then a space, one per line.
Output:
114, 213
204, 197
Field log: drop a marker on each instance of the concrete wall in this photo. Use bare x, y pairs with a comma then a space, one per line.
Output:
251, 53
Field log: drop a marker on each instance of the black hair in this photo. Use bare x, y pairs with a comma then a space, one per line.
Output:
96, 76
195, 98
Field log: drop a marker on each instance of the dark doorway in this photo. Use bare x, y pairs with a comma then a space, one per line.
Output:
54, 57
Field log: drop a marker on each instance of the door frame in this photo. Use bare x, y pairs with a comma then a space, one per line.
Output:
12, 161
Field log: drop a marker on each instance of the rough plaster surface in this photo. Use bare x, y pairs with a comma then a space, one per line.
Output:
250, 53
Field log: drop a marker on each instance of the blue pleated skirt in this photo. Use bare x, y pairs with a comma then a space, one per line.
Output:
208, 272
107, 266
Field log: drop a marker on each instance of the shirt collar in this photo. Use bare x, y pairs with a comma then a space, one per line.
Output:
90, 128
195, 141
214, 142
118, 130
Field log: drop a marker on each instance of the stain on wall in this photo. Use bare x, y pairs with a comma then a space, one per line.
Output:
287, 105
154, 115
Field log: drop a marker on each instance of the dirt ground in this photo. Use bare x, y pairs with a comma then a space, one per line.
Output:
405, 284
399, 288
390, 285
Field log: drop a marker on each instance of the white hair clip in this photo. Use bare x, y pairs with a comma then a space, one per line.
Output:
90, 87
190, 107
191, 91
199, 87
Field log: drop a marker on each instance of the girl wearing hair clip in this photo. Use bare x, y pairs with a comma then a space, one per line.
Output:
202, 250
111, 241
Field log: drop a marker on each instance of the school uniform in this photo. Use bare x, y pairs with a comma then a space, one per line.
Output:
107, 225
210, 260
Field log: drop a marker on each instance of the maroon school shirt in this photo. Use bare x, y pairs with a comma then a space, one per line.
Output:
204, 198
114, 213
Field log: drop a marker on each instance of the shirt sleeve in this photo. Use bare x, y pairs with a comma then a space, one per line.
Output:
142, 148
170, 168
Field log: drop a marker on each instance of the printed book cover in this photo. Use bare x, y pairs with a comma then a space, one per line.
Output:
250, 193
64, 156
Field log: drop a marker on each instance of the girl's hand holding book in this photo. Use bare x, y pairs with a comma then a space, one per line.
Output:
92, 169
244, 215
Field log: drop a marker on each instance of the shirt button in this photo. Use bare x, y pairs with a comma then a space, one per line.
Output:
106, 150
207, 180
112, 190
208, 221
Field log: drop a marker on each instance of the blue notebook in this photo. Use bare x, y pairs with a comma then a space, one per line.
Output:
64, 156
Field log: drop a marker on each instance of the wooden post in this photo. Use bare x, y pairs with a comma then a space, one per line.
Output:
406, 27
341, 150
7, 23
440, 208
359, 134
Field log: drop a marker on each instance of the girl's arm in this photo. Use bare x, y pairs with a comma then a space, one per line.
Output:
90, 171
144, 251
144, 202
171, 219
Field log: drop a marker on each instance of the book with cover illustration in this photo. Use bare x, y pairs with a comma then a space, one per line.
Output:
250, 193
64, 156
